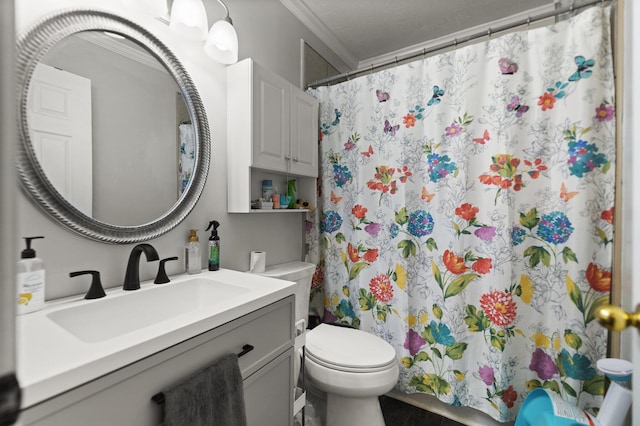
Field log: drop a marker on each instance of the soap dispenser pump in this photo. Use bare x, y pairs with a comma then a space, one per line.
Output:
192, 258
30, 280
214, 246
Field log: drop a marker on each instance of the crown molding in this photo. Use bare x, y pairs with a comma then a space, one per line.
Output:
107, 42
311, 21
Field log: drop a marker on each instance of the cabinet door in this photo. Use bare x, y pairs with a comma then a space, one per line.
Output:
271, 120
304, 134
268, 391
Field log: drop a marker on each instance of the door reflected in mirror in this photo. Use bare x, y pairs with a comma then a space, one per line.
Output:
110, 128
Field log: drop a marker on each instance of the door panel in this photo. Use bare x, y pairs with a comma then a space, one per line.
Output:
60, 122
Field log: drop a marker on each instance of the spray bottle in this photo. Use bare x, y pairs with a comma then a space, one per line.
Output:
214, 246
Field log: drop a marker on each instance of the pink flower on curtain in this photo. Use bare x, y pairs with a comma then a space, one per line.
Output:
604, 112
543, 365
486, 374
485, 233
372, 229
453, 130
413, 342
499, 307
381, 288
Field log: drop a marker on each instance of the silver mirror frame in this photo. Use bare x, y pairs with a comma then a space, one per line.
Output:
31, 48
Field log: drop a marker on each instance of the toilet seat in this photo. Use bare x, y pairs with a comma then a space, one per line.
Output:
349, 350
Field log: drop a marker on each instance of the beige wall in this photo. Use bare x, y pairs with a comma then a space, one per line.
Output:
269, 34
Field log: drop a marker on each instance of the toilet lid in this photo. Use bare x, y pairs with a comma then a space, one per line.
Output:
348, 349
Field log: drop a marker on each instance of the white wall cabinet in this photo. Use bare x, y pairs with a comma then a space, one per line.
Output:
303, 137
272, 127
124, 397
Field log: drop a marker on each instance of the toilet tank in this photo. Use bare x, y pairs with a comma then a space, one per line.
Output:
301, 273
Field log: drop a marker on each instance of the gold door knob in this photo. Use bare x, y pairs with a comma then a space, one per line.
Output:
617, 319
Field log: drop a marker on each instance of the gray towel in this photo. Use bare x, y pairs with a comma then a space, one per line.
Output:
212, 396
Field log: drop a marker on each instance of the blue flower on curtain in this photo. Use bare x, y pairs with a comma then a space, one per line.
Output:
555, 228
332, 222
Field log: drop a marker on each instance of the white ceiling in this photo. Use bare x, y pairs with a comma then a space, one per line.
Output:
365, 32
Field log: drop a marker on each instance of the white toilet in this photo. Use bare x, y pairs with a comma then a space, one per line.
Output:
353, 367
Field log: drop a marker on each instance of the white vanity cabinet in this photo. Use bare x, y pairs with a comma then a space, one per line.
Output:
123, 397
272, 127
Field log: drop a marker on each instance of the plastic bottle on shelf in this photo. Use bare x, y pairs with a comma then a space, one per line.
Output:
192, 260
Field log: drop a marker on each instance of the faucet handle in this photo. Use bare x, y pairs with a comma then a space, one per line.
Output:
161, 277
95, 291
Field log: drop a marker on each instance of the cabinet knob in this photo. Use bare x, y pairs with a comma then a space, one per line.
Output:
295, 159
617, 319
288, 157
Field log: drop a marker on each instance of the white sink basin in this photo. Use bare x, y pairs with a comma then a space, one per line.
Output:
113, 316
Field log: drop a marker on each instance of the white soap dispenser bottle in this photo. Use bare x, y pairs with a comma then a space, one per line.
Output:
192, 259
30, 280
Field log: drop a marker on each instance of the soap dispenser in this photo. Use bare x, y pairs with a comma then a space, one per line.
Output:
192, 260
214, 246
30, 280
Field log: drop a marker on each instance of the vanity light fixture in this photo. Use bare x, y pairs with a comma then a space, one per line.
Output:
222, 41
189, 19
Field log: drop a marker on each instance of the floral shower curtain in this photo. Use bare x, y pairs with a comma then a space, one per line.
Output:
466, 214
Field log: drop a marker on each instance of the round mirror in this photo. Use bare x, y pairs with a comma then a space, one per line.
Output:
114, 138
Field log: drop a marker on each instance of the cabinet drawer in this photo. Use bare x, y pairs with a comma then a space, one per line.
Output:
124, 396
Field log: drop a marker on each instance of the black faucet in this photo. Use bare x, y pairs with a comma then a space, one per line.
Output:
132, 276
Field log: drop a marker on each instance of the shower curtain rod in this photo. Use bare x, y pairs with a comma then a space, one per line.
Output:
457, 41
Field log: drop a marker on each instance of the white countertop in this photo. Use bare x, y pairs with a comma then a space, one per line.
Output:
51, 360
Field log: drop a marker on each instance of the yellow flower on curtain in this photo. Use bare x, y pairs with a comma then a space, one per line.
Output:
541, 340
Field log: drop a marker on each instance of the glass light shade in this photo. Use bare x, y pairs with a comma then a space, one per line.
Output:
189, 19
222, 43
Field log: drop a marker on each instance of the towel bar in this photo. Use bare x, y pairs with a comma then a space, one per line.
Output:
159, 397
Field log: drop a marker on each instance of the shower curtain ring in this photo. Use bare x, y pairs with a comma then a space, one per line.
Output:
528, 21
424, 52
489, 32
396, 61
455, 44
347, 75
